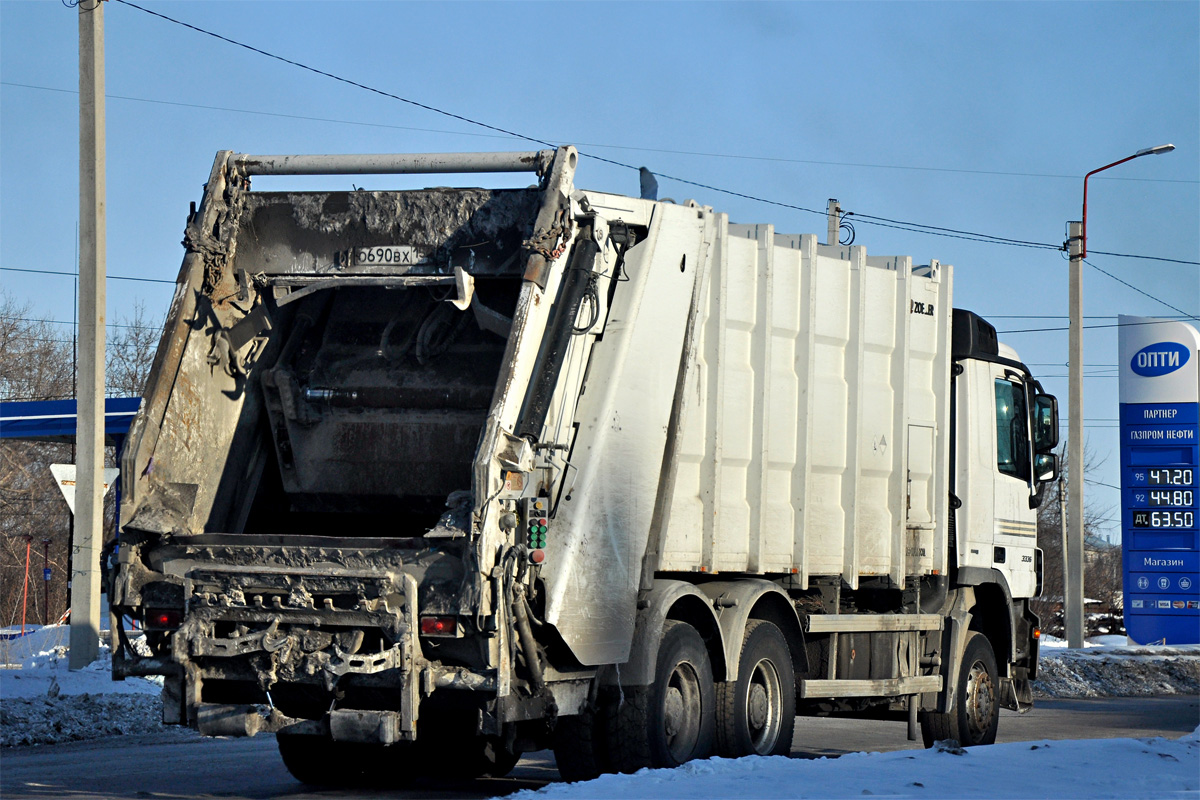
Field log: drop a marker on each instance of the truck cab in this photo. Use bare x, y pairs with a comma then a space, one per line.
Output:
1005, 432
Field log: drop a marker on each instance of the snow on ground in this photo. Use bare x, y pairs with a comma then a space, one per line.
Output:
43, 702
1097, 768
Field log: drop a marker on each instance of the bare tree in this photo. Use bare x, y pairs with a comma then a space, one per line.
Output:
36, 363
130, 352
35, 358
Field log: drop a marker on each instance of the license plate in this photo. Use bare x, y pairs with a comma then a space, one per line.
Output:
392, 255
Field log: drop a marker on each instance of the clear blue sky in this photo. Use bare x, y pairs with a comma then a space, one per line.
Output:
975, 116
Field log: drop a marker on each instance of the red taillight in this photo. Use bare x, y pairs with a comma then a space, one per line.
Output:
159, 619
439, 626
1037, 633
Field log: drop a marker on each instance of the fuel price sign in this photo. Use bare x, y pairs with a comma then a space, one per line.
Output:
1160, 463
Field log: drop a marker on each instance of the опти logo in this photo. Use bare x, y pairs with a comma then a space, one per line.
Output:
1158, 359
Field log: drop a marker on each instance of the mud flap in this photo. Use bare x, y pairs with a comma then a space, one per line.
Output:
1016, 694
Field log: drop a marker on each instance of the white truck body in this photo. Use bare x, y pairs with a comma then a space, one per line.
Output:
495, 470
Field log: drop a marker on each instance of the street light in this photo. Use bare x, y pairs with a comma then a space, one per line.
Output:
1073, 558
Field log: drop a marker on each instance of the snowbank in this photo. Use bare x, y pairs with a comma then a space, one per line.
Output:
1098, 768
50, 720
45, 673
1109, 667
43, 702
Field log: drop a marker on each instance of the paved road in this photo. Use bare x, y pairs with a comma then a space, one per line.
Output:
183, 765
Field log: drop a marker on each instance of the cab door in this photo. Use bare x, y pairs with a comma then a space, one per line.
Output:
1015, 524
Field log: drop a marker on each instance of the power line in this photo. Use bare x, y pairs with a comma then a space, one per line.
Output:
919, 227
75, 324
1139, 291
665, 151
1091, 327
1062, 316
1064, 364
338, 78
74, 275
881, 221
269, 113
1147, 258
970, 237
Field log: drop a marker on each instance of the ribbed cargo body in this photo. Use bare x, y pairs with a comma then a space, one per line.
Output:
815, 411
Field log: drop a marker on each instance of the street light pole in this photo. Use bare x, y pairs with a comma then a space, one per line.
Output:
1076, 246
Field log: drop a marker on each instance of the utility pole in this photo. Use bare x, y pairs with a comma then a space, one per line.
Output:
1073, 606
89, 533
833, 210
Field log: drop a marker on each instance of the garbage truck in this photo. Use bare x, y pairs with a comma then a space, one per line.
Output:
426, 479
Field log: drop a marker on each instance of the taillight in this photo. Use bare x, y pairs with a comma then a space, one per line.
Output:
1037, 633
163, 619
439, 626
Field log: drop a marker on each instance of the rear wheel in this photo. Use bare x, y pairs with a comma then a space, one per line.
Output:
675, 720
579, 745
756, 713
490, 757
320, 761
976, 714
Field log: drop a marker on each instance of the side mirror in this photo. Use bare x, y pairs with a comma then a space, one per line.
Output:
1045, 467
1045, 424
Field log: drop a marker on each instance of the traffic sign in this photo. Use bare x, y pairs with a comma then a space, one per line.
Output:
64, 475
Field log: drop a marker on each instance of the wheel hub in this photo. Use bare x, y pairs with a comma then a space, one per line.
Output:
981, 699
673, 711
756, 706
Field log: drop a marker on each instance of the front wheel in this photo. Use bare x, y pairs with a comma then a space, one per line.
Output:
976, 714
756, 714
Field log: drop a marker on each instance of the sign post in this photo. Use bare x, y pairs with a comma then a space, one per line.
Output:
1160, 479
64, 476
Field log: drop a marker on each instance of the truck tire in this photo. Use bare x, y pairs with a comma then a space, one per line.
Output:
976, 714
320, 761
580, 746
674, 719
489, 756
456, 751
756, 714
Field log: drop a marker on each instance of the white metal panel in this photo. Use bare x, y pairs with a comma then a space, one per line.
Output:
740, 407
811, 368
786, 416
594, 557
